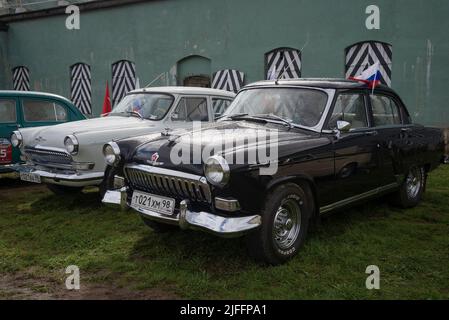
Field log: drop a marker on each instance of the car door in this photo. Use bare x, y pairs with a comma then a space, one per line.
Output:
9, 121
394, 136
355, 152
43, 112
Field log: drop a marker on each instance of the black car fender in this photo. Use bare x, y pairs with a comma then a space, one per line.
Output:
296, 179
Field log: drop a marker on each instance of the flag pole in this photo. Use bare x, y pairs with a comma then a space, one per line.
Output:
374, 84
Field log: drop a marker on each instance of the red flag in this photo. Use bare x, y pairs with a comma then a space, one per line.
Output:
107, 108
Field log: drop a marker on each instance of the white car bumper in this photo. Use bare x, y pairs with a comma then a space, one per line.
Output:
69, 179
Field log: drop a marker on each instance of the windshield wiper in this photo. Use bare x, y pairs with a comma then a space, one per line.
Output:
232, 116
135, 113
275, 117
131, 113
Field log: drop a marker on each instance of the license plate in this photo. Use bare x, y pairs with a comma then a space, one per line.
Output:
153, 202
30, 177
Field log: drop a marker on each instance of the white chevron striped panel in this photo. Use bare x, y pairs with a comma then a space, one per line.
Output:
123, 79
81, 87
228, 79
361, 55
21, 78
283, 61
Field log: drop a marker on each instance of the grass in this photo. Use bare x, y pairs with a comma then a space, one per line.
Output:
41, 234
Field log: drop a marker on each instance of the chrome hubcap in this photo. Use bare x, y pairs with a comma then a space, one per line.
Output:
287, 224
414, 182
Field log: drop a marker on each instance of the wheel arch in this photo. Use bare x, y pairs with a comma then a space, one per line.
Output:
299, 180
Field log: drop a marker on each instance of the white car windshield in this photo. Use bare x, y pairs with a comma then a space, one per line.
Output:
299, 106
152, 106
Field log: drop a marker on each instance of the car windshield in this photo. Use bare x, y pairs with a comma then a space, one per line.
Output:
299, 106
152, 106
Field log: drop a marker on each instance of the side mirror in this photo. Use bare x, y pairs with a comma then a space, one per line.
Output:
343, 126
175, 116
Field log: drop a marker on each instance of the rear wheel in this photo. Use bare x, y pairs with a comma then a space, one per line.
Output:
64, 190
285, 221
159, 227
412, 189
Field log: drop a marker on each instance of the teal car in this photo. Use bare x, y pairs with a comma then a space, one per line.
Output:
22, 109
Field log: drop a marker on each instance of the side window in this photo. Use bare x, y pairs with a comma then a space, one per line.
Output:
43, 111
385, 111
8, 111
191, 109
349, 107
220, 106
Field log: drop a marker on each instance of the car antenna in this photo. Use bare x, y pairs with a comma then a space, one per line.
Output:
289, 65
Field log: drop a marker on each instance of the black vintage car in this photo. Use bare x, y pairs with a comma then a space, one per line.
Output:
335, 143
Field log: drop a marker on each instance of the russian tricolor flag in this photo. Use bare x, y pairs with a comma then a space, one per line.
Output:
370, 76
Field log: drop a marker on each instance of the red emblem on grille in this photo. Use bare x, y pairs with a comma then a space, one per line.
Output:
155, 157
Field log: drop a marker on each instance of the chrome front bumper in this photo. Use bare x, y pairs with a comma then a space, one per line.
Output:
187, 219
65, 179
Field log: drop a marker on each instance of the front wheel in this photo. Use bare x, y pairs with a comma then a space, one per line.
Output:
412, 189
63, 190
285, 221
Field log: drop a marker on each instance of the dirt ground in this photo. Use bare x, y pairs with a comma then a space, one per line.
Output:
24, 286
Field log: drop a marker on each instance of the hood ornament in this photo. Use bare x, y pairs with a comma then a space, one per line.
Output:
166, 132
40, 139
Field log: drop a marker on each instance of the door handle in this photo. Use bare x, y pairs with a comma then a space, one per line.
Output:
371, 133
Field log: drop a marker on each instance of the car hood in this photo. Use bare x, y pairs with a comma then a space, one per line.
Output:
53, 136
230, 139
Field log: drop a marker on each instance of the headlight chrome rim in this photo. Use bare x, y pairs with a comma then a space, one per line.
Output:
224, 167
111, 152
16, 139
74, 144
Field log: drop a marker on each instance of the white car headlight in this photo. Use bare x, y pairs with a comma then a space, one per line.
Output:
216, 170
16, 139
111, 152
71, 144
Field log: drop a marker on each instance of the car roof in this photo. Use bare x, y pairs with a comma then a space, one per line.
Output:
186, 90
34, 94
326, 83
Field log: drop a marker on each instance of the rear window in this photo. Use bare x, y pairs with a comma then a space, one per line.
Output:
7, 111
43, 111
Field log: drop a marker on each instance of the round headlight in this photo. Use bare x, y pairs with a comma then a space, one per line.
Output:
71, 144
16, 139
111, 152
217, 171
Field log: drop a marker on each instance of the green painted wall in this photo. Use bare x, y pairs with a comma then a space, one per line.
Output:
236, 34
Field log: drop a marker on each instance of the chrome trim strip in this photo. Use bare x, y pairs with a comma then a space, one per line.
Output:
358, 197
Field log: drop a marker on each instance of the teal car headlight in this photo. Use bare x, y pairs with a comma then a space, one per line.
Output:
16, 139
216, 170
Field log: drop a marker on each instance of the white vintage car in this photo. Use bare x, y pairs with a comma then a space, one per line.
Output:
68, 157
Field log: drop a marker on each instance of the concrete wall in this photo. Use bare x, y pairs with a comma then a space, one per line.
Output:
236, 34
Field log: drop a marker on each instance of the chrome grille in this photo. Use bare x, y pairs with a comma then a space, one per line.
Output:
172, 183
49, 157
